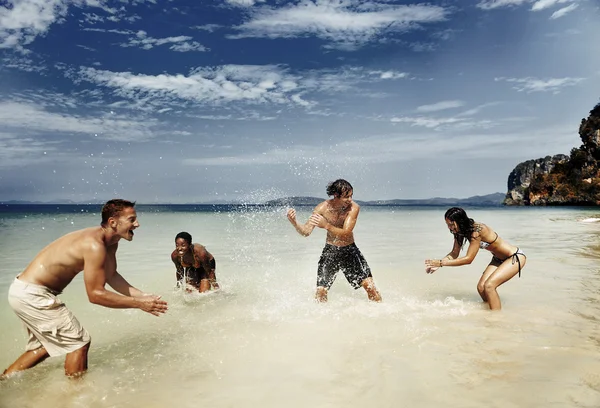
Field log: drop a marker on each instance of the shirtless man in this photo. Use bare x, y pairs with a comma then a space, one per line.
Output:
194, 265
338, 216
53, 330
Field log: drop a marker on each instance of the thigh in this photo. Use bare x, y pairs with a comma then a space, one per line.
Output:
489, 270
356, 268
507, 270
326, 270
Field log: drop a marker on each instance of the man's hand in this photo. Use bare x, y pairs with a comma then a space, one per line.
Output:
291, 214
317, 220
152, 304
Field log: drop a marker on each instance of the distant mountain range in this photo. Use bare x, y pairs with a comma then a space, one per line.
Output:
494, 199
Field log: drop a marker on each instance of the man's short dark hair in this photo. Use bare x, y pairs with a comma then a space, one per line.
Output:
339, 187
113, 208
185, 235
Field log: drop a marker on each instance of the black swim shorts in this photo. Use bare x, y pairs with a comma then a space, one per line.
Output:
346, 258
195, 275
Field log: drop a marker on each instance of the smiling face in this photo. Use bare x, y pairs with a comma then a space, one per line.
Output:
181, 246
343, 200
125, 223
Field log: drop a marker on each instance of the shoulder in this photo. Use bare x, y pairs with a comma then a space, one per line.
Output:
477, 230
321, 207
174, 255
355, 207
92, 238
90, 242
199, 249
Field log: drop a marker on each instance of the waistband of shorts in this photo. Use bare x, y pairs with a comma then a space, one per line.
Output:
340, 248
34, 287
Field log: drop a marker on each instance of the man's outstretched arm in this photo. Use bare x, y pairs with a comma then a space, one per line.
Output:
303, 229
96, 276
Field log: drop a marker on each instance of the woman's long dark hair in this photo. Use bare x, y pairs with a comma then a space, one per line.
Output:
465, 224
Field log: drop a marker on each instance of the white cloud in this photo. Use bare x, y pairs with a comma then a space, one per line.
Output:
231, 83
457, 123
493, 4
16, 150
430, 123
347, 22
244, 3
180, 43
563, 11
477, 109
25, 20
204, 85
440, 106
207, 27
28, 117
545, 4
389, 74
538, 5
530, 84
22, 63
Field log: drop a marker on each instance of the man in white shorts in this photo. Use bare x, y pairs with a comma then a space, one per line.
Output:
53, 330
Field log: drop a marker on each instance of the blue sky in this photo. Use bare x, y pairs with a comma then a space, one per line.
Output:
208, 101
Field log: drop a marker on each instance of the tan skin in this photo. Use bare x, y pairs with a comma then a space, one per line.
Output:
495, 274
93, 251
338, 217
185, 256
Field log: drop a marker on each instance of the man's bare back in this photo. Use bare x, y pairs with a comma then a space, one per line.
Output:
58, 263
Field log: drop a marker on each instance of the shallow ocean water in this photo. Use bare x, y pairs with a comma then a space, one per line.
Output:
262, 340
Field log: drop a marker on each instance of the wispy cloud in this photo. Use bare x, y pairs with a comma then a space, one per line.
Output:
32, 118
348, 23
390, 74
16, 150
25, 20
538, 5
563, 11
180, 43
217, 85
545, 4
207, 27
530, 84
493, 4
235, 83
244, 3
443, 105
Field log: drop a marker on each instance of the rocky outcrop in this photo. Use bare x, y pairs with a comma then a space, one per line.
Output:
561, 179
521, 177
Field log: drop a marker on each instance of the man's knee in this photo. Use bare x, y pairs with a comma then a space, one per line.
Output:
76, 362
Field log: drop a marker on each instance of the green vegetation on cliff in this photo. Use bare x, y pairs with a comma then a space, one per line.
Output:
576, 180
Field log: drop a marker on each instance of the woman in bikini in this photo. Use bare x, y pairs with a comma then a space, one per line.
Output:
507, 260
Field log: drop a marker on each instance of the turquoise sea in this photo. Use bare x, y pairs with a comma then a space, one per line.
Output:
262, 341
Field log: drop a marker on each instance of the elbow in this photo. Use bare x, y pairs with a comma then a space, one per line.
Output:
468, 261
95, 297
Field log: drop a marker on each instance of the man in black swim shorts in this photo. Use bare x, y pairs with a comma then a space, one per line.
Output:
338, 216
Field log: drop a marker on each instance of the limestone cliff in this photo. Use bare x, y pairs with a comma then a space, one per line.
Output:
561, 179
